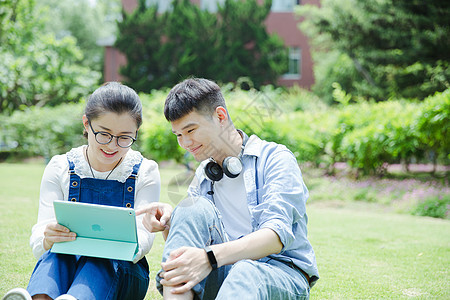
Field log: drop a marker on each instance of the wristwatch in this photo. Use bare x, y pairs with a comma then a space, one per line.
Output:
211, 257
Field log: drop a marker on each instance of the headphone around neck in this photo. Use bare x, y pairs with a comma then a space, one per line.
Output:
231, 166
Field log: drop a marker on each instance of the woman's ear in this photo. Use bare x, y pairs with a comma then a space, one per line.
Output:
85, 122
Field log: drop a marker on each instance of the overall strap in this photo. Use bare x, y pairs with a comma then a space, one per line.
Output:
74, 185
129, 186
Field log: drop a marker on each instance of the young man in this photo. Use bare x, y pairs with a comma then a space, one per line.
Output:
242, 234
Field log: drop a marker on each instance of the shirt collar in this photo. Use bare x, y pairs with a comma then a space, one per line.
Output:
253, 146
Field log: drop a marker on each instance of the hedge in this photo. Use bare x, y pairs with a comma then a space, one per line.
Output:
365, 135
44, 131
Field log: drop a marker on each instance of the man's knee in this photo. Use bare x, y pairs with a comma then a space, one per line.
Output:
243, 270
261, 280
192, 208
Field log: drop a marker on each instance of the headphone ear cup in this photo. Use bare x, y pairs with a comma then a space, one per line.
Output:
213, 171
232, 166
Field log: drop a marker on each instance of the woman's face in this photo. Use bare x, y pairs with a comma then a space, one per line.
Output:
104, 157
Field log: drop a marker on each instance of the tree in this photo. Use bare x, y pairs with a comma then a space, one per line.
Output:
245, 48
163, 48
397, 48
140, 35
35, 68
89, 22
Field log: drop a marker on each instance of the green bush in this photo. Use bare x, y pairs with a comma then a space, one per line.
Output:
45, 131
288, 118
433, 125
435, 206
365, 135
374, 134
156, 140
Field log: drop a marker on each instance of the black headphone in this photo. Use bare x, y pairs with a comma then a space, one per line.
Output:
232, 166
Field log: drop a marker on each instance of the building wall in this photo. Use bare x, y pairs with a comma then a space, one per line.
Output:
284, 23
114, 59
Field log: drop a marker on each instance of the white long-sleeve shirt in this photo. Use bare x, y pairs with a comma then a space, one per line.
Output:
55, 186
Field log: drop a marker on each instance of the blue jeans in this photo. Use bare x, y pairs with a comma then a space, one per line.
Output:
196, 223
88, 277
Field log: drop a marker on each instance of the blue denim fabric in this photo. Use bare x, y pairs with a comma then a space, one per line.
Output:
263, 279
89, 277
276, 196
196, 223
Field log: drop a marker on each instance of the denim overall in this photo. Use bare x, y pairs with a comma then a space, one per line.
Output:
89, 277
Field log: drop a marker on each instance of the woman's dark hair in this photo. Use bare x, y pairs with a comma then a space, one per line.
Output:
114, 97
194, 93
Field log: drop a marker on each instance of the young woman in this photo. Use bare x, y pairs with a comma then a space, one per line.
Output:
109, 173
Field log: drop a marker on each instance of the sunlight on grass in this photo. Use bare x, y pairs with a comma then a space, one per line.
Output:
362, 254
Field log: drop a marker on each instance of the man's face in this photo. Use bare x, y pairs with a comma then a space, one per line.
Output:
199, 134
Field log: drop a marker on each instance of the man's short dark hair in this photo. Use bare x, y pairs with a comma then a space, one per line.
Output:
199, 94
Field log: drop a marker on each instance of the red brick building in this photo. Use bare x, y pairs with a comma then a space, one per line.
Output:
282, 20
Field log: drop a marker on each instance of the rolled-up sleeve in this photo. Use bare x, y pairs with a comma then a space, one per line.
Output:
282, 196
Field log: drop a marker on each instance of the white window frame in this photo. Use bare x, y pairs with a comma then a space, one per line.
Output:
284, 5
295, 56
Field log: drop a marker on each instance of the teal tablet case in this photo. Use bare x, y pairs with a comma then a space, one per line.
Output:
102, 231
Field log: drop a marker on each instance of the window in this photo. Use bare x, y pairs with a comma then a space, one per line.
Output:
295, 63
163, 5
284, 5
211, 5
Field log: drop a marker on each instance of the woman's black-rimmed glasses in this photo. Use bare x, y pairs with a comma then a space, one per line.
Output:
103, 138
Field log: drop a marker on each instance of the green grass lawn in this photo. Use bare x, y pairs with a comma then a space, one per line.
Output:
363, 252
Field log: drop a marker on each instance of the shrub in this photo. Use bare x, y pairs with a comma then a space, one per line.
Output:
156, 138
378, 133
365, 135
158, 142
433, 125
435, 206
43, 131
290, 118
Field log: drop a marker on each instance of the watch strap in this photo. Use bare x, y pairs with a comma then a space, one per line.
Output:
211, 257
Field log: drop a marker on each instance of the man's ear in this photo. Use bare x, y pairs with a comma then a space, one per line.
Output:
222, 114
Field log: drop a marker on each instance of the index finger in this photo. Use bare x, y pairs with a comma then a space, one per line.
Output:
151, 209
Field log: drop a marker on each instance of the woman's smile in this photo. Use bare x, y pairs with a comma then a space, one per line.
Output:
109, 154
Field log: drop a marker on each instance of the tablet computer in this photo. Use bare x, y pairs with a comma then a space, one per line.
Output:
102, 231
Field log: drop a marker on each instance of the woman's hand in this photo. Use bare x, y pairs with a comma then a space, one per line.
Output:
157, 217
55, 233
